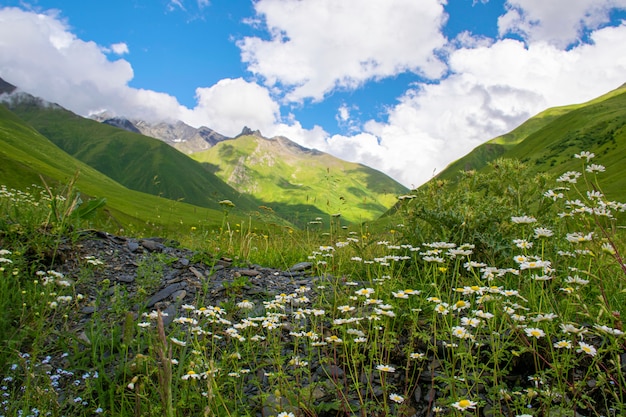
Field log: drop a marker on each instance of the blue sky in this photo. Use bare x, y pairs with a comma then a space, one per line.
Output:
404, 86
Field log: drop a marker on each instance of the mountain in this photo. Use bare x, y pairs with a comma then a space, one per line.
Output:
298, 183
138, 162
181, 136
548, 141
25, 155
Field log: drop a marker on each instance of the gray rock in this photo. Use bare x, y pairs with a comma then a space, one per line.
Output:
151, 245
165, 292
132, 246
301, 266
125, 278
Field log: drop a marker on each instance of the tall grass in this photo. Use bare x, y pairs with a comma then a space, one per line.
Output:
499, 295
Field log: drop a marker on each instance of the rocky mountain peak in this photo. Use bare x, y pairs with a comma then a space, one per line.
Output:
6, 88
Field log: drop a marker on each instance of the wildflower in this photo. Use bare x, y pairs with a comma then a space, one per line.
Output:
334, 339
609, 330
400, 294
534, 332
436, 259
245, 305
366, 292
470, 321
191, 374
544, 317
460, 305
570, 328
523, 243
578, 237
554, 196
473, 264
483, 314
345, 309
569, 177
535, 264
608, 248
594, 168
385, 368
523, 219
543, 232
563, 344
178, 342
461, 332
396, 398
442, 308
464, 404
417, 355
586, 348
586, 155
576, 280
285, 414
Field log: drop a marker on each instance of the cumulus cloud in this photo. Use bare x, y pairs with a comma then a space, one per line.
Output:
492, 89
559, 23
231, 104
46, 59
318, 46
481, 89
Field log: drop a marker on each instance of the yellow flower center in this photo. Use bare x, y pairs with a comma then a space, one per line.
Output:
464, 403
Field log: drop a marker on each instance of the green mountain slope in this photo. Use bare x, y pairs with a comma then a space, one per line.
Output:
135, 161
25, 154
507, 144
301, 184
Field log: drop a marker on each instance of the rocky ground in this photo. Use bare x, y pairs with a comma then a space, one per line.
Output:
186, 277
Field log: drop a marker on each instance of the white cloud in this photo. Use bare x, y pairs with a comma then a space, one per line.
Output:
120, 48
231, 104
558, 22
492, 90
491, 86
318, 46
46, 59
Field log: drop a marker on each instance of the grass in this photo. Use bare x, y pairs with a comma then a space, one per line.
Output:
505, 299
301, 184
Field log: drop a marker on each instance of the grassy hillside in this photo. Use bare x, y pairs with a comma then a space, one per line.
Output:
301, 184
25, 154
507, 144
135, 161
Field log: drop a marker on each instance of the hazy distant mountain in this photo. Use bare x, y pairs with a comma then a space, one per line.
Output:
181, 136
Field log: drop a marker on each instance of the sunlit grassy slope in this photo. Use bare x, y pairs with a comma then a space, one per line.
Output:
138, 162
537, 140
301, 184
25, 155
549, 140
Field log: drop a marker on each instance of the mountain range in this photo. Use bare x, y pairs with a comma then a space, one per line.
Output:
121, 150
146, 169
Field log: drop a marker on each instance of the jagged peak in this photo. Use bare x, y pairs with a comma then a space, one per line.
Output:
6, 88
246, 131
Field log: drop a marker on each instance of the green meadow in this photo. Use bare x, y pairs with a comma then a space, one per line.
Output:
496, 289
505, 299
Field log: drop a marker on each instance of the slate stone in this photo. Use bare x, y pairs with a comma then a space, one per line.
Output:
301, 266
151, 245
125, 278
132, 246
249, 272
165, 292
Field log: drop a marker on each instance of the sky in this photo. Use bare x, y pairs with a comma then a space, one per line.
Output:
403, 86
